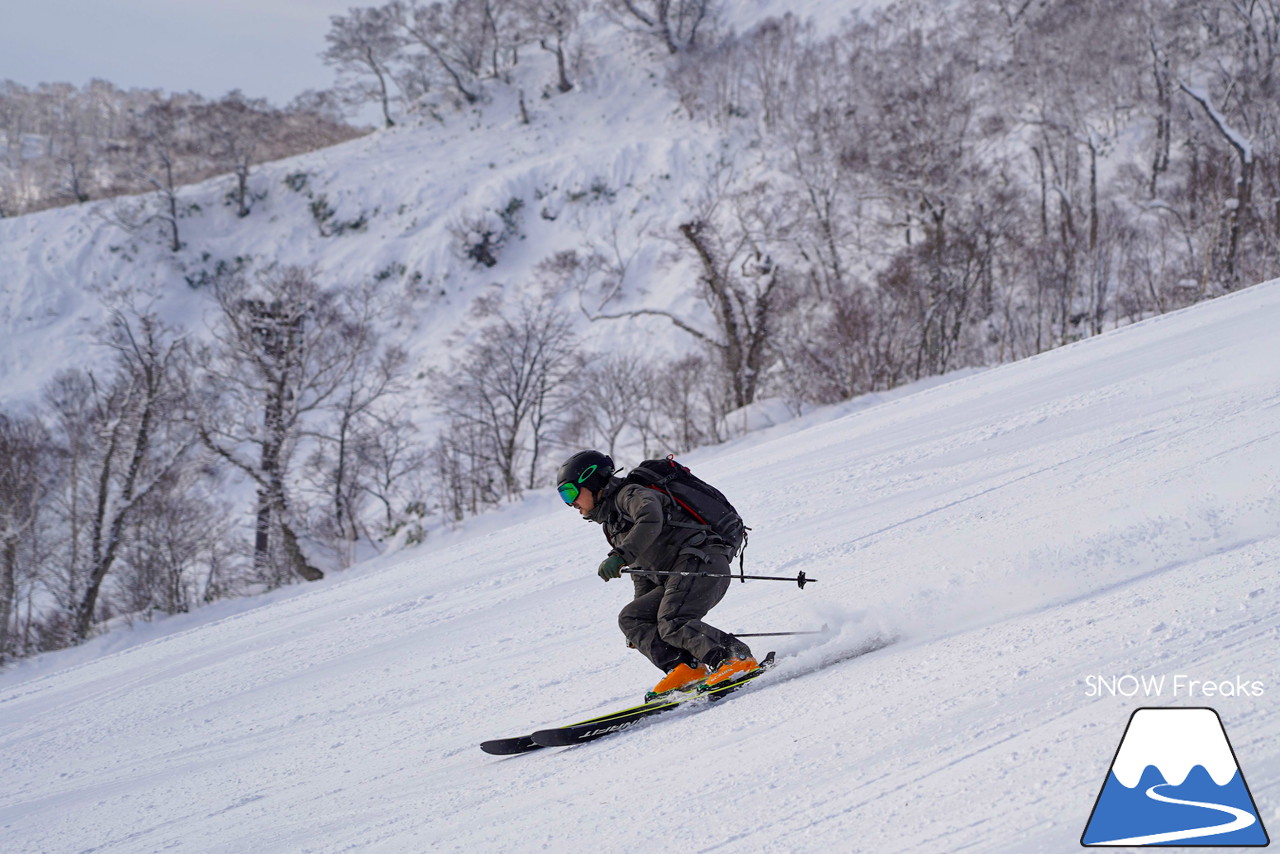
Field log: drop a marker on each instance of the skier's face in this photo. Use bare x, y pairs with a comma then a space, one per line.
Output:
585, 502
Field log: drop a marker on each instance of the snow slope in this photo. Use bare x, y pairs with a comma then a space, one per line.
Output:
612, 166
1107, 509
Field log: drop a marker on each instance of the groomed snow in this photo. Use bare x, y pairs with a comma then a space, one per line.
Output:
1108, 508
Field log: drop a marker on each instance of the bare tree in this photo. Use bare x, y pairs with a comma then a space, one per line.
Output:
237, 129
511, 391
77, 158
124, 448
286, 354
830, 352
760, 77
463, 469
359, 450
172, 544
61, 144
744, 289
552, 23
1237, 212
162, 139
677, 24
741, 282
365, 42
283, 350
1234, 83
688, 405
25, 482
616, 394
392, 463
457, 38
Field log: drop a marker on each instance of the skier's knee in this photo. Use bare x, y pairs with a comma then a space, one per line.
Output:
628, 619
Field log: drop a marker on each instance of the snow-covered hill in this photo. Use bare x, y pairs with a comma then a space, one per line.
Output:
1033, 534
611, 167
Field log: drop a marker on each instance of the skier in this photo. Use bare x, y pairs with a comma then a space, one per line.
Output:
664, 620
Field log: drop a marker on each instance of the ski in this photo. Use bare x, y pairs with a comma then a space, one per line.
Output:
603, 725
526, 743
607, 725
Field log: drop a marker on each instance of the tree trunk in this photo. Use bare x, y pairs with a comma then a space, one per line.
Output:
289, 540
383, 94
242, 189
269, 466
1237, 217
262, 531
722, 305
171, 193
565, 83
8, 589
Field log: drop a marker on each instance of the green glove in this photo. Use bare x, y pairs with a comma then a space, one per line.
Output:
611, 567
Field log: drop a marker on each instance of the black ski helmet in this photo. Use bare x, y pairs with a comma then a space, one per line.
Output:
584, 470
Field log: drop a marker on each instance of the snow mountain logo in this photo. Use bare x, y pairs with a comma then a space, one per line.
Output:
1175, 781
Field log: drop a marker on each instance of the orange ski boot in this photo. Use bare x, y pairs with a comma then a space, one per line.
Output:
729, 670
682, 677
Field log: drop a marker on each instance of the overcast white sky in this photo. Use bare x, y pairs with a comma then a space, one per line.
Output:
267, 48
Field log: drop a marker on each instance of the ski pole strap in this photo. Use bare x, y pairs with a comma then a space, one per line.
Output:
801, 580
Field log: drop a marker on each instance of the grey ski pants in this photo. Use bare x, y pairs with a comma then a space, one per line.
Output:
664, 620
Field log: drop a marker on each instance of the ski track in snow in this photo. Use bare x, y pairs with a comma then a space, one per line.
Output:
1108, 508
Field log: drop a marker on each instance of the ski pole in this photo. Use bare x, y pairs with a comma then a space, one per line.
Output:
800, 579
820, 631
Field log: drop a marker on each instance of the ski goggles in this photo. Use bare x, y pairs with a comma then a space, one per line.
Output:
569, 491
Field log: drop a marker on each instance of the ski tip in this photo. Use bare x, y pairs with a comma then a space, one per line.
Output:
509, 746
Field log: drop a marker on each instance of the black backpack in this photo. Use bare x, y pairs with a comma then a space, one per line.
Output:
702, 501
